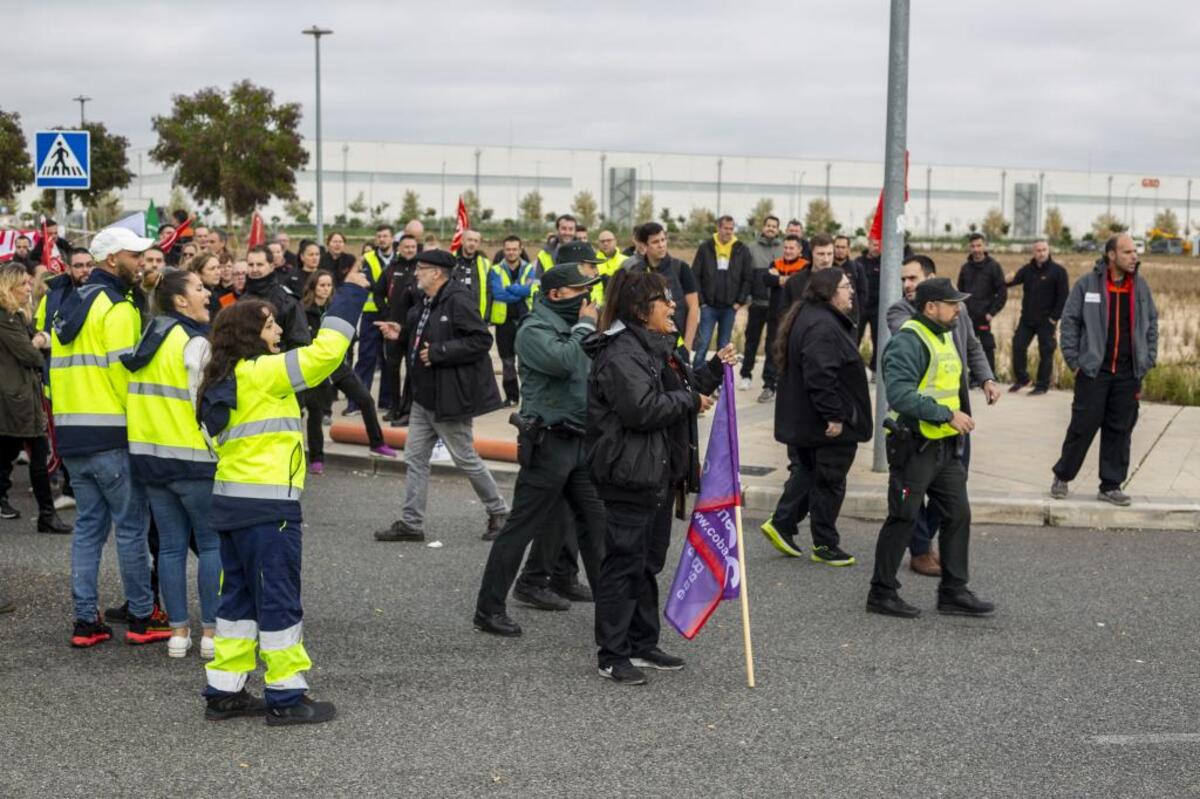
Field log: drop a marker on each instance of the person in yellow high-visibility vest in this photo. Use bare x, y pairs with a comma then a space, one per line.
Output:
606, 248
247, 403
472, 269
511, 297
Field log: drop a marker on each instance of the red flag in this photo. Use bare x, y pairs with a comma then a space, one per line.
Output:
876, 233
257, 234
461, 224
183, 230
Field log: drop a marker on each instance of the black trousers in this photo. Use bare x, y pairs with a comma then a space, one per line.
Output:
39, 477
393, 363
1026, 331
317, 402
554, 560
559, 471
983, 330
635, 551
506, 338
816, 487
1108, 403
758, 317
935, 471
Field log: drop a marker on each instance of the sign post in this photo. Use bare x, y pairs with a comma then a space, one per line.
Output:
63, 160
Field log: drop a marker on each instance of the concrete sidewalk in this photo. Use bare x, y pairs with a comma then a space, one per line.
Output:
1012, 450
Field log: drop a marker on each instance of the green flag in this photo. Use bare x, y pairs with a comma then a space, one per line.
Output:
152, 222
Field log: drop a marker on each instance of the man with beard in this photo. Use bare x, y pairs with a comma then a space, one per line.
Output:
983, 278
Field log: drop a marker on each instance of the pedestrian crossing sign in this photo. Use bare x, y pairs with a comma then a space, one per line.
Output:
63, 159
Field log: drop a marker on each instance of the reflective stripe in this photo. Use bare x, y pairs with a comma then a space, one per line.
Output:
280, 639
294, 683
90, 419
228, 681
174, 453
115, 355
281, 424
243, 628
226, 488
291, 359
65, 361
159, 390
338, 325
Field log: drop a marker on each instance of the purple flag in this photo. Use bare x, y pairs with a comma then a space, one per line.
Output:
708, 566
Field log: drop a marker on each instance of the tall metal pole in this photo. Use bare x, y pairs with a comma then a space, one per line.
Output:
478, 152
1108, 203
82, 101
893, 204
1187, 211
1003, 190
317, 33
1041, 224
345, 179
720, 163
800, 195
929, 202
829, 166
603, 158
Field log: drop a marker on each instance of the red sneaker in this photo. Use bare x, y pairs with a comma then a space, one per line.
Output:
142, 631
90, 633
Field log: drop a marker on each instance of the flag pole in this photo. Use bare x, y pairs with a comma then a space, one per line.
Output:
747, 645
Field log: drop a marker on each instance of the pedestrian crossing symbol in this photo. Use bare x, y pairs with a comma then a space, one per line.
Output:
63, 159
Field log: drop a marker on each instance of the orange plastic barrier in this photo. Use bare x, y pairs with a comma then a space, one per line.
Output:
492, 449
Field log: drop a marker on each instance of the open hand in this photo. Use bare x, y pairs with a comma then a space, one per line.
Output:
390, 330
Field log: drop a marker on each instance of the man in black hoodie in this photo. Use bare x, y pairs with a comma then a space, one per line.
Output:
1045, 292
982, 278
262, 283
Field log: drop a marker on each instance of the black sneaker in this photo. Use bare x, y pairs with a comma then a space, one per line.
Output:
49, 522
963, 603
8, 511
540, 597
1017, 386
306, 711
90, 633
657, 659
891, 606
624, 673
232, 706
146, 631
399, 531
399, 421
495, 525
117, 615
831, 556
1037, 392
1059, 489
575, 592
497, 624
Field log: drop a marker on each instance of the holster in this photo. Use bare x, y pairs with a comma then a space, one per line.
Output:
529, 435
900, 444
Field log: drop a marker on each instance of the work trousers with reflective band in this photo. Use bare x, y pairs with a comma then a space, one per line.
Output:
260, 608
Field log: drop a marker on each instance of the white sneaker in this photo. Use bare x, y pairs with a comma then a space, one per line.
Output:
63, 502
208, 650
178, 645
744, 384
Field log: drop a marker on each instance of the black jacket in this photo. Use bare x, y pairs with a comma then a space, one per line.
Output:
288, 313
459, 382
984, 281
822, 380
870, 268
1045, 290
862, 288
338, 266
642, 439
722, 288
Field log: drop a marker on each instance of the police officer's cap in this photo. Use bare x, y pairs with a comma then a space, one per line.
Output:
567, 276
576, 252
938, 289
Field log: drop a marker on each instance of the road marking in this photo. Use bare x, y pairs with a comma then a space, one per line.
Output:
1148, 738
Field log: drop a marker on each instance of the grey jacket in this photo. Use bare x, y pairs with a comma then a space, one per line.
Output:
1084, 327
970, 351
763, 254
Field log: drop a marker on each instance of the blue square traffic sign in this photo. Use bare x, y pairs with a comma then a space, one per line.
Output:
62, 159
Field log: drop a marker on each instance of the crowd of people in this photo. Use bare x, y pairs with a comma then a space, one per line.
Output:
177, 392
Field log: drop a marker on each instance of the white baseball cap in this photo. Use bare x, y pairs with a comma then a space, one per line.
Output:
115, 239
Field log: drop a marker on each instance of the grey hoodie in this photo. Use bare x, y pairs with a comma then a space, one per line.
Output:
1084, 329
763, 253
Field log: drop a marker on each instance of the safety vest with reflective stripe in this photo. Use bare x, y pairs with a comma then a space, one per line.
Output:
942, 377
479, 268
545, 263
165, 442
606, 270
375, 274
89, 384
260, 452
499, 312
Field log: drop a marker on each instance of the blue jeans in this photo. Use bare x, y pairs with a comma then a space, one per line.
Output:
929, 519
105, 495
182, 508
710, 317
370, 355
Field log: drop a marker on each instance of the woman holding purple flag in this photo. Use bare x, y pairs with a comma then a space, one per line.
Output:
822, 412
642, 450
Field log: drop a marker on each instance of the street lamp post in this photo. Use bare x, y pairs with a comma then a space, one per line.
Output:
720, 163
82, 101
317, 33
603, 158
345, 179
929, 202
478, 152
1128, 221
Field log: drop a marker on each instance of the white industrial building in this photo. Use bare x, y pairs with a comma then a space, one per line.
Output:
939, 195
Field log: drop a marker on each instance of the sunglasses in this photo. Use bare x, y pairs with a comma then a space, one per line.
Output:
664, 297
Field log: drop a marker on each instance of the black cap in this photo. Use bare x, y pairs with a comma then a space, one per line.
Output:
576, 252
567, 276
938, 289
440, 258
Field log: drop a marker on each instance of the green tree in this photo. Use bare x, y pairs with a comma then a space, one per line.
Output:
238, 148
1166, 221
106, 209
701, 222
762, 209
1054, 224
109, 167
358, 205
584, 208
16, 171
299, 210
474, 213
410, 209
645, 209
1106, 225
531, 207
178, 201
994, 226
819, 218
377, 212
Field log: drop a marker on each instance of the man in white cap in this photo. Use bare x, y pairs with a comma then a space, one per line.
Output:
94, 327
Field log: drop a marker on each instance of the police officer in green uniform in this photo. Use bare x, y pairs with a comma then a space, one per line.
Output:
923, 375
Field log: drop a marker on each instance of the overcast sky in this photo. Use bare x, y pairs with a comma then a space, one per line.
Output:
1066, 84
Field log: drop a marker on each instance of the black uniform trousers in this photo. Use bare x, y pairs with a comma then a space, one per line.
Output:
635, 551
317, 402
1108, 403
393, 362
559, 470
554, 561
758, 317
816, 487
934, 470
983, 331
506, 340
1026, 331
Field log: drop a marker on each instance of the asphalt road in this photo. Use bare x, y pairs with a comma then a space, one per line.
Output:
1083, 684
